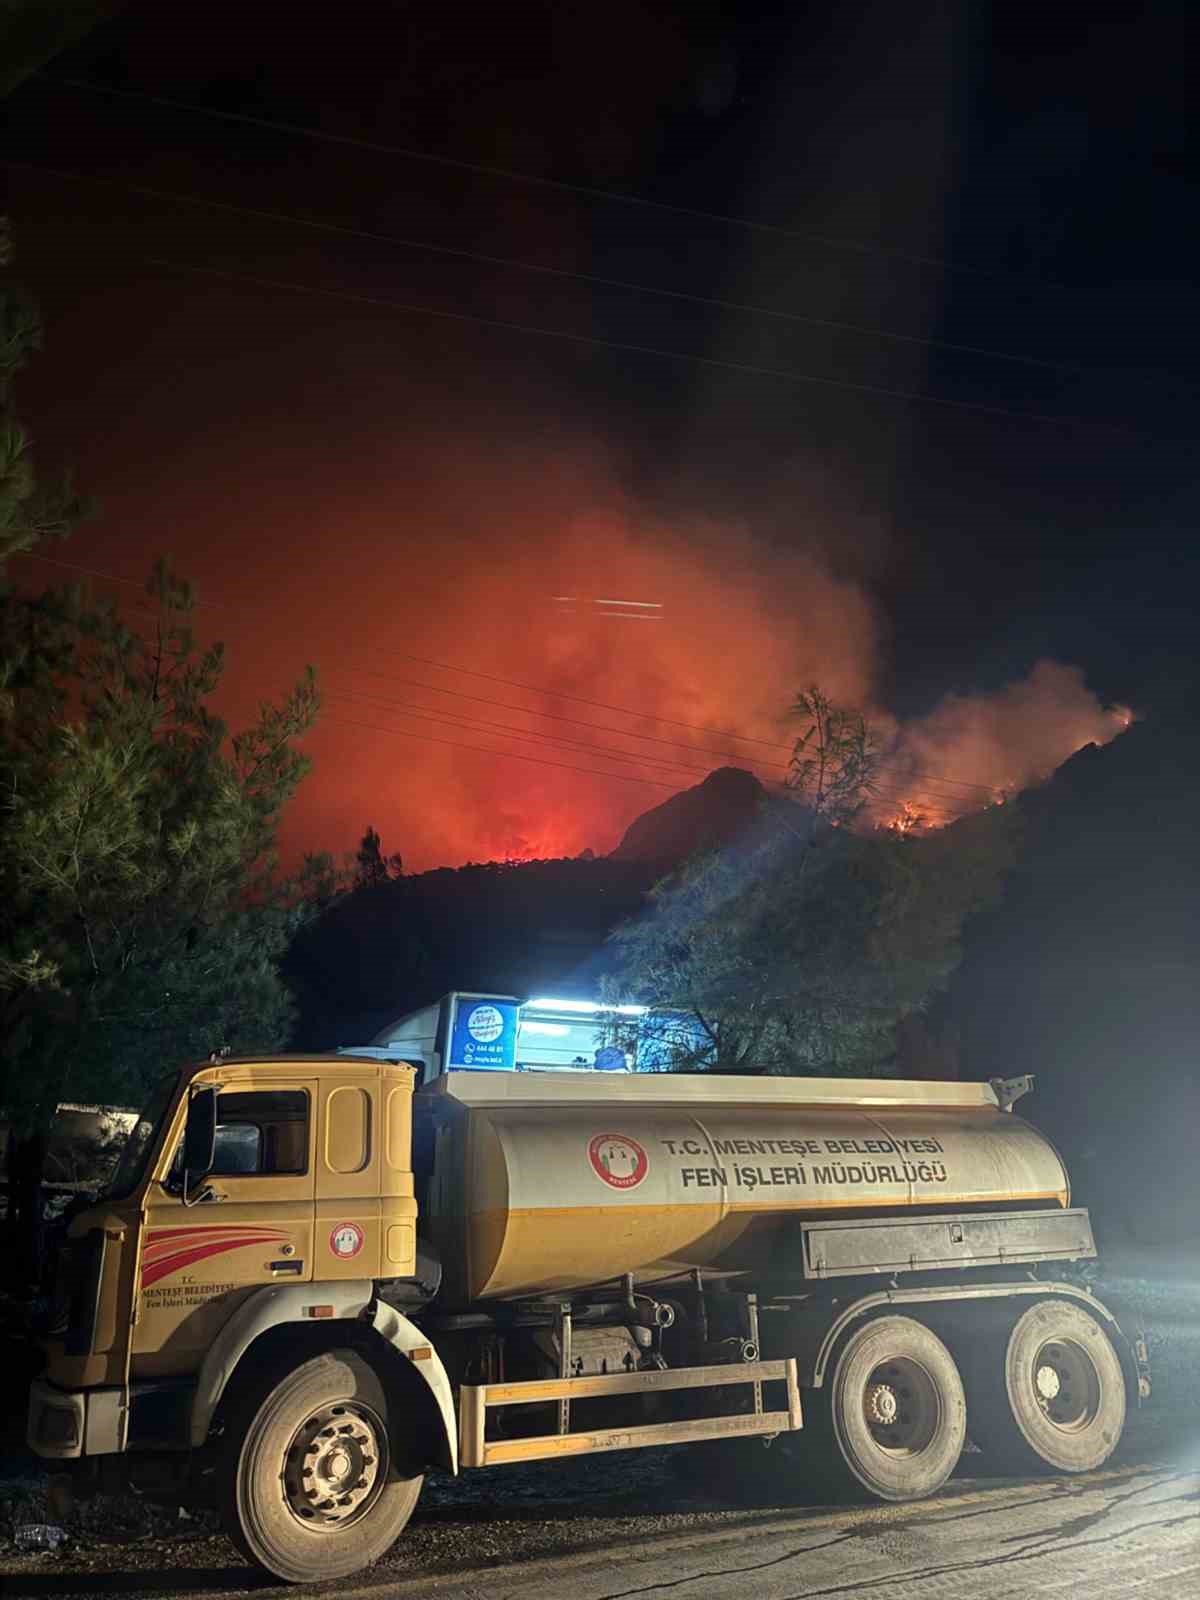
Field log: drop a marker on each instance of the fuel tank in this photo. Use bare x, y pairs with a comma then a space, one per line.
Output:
554, 1182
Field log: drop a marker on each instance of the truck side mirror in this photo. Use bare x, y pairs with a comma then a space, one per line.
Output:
199, 1136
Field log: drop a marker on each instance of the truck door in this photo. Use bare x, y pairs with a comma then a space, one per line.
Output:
351, 1228
199, 1261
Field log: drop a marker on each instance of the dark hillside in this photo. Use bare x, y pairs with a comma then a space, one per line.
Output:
1088, 974
499, 928
711, 814
539, 925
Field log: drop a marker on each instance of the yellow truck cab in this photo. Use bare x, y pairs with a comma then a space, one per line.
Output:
257, 1205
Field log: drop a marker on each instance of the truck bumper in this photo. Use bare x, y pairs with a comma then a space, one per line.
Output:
65, 1424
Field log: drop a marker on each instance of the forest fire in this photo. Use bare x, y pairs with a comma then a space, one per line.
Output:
536, 729
908, 819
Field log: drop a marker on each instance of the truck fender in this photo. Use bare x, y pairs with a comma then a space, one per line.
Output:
815, 1359
266, 1308
406, 1338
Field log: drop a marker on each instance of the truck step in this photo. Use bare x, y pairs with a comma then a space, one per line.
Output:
476, 1400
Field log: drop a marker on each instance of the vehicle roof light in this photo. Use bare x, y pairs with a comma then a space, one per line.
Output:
583, 1007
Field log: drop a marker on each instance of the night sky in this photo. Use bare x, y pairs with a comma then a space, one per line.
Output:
991, 208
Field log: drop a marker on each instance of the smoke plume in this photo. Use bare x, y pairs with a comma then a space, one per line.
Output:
553, 661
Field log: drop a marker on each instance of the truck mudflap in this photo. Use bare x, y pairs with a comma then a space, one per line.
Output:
412, 1343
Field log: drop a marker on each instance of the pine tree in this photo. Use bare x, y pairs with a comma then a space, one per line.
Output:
371, 866
142, 920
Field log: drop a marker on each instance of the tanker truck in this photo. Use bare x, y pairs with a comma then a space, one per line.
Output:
308, 1285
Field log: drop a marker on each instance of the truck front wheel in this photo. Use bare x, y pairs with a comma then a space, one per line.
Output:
1050, 1395
311, 1487
895, 1409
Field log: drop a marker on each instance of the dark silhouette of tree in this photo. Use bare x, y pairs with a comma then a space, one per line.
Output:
29, 511
371, 866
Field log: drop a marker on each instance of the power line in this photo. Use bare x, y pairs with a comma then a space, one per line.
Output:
107, 577
604, 705
344, 231
512, 755
598, 705
629, 757
352, 141
456, 721
551, 716
781, 374
529, 735
505, 755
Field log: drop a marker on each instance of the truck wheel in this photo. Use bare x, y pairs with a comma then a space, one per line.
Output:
895, 1409
1051, 1395
311, 1489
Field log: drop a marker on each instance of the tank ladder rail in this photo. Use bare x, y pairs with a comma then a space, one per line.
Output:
476, 1400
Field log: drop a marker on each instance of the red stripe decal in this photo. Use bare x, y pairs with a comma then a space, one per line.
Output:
156, 1234
154, 1270
207, 1236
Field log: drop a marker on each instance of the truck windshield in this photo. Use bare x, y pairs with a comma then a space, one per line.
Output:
143, 1137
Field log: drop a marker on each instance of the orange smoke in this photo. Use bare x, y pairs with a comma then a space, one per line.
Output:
724, 635
977, 750
526, 573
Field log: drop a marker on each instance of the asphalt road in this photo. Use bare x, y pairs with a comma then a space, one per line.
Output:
1131, 1529
1111, 1536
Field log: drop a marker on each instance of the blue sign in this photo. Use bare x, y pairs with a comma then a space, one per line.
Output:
485, 1035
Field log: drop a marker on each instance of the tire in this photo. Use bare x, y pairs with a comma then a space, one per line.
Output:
893, 1410
1050, 1396
310, 1488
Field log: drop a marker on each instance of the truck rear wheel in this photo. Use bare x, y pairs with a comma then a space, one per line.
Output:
1050, 1395
895, 1409
311, 1488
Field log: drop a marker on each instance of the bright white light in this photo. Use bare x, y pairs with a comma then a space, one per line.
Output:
586, 1008
556, 1029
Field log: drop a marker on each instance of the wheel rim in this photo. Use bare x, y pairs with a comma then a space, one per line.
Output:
902, 1407
1066, 1385
335, 1466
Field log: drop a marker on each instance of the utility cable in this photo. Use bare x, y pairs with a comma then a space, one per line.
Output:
626, 347
395, 241
507, 755
453, 163
530, 711
629, 757
603, 705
